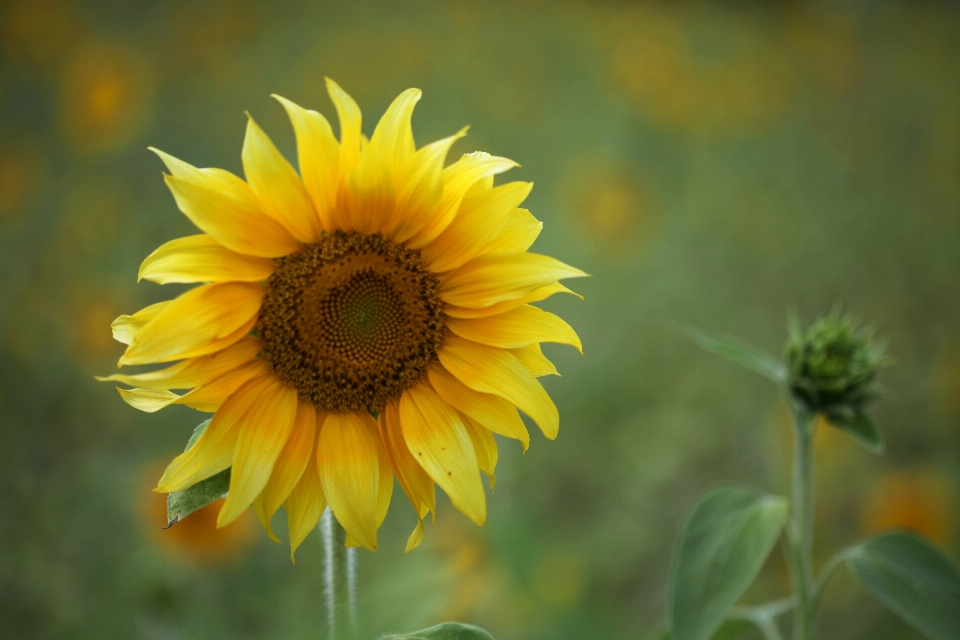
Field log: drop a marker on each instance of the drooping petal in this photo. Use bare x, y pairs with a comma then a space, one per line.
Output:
484, 446
479, 221
497, 371
436, 437
457, 180
200, 258
520, 232
533, 360
196, 323
415, 538
393, 137
497, 277
194, 372
419, 189
349, 467
125, 327
516, 328
318, 154
492, 411
412, 478
368, 196
305, 504
207, 398
215, 449
264, 431
224, 207
277, 185
350, 122
290, 465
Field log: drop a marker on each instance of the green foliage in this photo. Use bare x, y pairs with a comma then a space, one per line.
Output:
180, 504
723, 545
863, 429
832, 365
913, 579
445, 631
743, 354
729, 630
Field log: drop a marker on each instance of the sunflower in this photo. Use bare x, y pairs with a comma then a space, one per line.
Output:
365, 319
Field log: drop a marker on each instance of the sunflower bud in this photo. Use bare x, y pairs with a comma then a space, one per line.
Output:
832, 366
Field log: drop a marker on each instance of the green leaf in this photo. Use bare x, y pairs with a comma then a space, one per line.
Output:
729, 630
445, 631
196, 434
723, 544
180, 504
744, 355
913, 579
863, 429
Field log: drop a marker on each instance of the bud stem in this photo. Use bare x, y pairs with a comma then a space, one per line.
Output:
801, 524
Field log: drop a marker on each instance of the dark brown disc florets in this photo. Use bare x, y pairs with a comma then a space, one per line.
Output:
351, 321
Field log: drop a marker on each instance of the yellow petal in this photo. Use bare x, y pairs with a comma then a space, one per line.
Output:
148, 400
419, 189
492, 411
212, 395
520, 232
457, 180
385, 488
290, 465
436, 437
479, 221
497, 371
412, 478
194, 372
484, 446
497, 277
393, 137
516, 328
196, 323
200, 258
125, 327
318, 154
264, 431
350, 121
533, 360
368, 196
215, 449
224, 207
277, 185
305, 504
349, 466
536, 295
415, 538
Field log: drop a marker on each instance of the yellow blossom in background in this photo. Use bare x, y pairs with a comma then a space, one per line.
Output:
107, 92
376, 282
916, 500
196, 538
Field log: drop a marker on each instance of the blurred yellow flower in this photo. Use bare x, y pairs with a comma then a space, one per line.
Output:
195, 538
920, 501
106, 98
376, 280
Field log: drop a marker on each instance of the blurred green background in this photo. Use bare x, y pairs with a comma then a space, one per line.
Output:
714, 165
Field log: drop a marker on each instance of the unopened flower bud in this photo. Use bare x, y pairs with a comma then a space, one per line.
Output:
833, 365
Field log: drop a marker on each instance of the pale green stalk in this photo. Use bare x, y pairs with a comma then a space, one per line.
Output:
339, 575
801, 523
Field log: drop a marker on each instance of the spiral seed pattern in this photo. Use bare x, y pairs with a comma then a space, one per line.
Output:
351, 321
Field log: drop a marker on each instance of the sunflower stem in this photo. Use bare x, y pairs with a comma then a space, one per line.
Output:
801, 523
339, 580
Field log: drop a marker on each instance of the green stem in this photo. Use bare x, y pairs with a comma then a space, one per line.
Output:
801, 523
338, 579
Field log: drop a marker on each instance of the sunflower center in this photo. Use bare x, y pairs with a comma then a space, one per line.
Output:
351, 321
